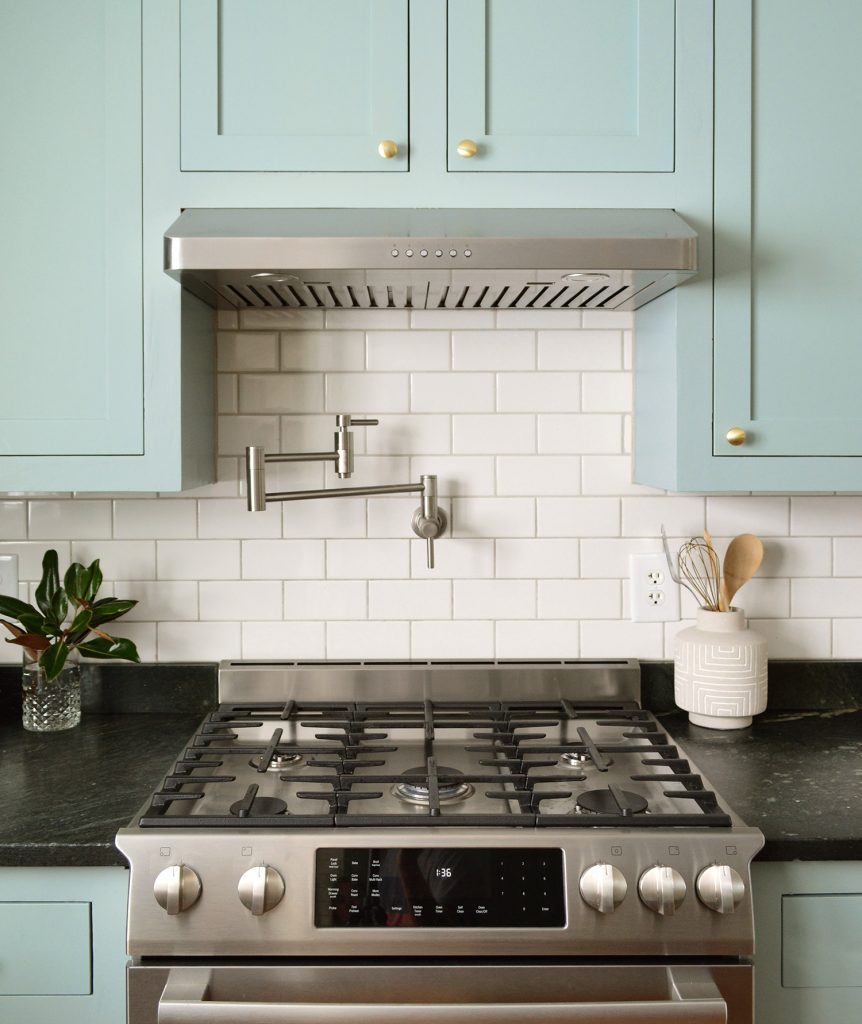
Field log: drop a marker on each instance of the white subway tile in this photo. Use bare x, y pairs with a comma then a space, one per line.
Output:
280, 393
847, 638
538, 392
536, 558
826, 516
802, 556
142, 635
606, 638
322, 350
452, 319
240, 599
493, 517
13, 520
325, 599
31, 553
315, 433
367, 319
848, 557
609, 559
580, 434
764, 599
494, 599
367, 640
579, 599
458, 476
452, 640
198, 641
235, 432
798, 638
408, 350
410, 435
369, 392
367, 559
627, 434
580, 350
606, 319
227, 319
578, 517
452, 392
391, 516
157, 600
198, 559
537, 639
227, 482
409, 599
628, 349
643, 517
230, 518
607, 392
75, 520
494, 350
227, 393
826, 598
119, 559
284, 641
611, 475
280, 319
535, 319
325, 518
727, 516
241, 352
453, 558
538, 474
282, 559
292, 476
492, 435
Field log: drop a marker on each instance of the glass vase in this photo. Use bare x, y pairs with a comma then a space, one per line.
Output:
51, 706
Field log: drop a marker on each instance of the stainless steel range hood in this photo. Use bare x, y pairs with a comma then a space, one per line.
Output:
430, 259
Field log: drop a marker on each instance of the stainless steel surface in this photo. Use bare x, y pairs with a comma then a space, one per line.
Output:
662, 889
260, 889
603, 887
721, 888
429, 520
424, 993
255, 478
330, 258
176, 888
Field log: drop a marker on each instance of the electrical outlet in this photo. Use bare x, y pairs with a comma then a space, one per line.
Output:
654, 597
9, 575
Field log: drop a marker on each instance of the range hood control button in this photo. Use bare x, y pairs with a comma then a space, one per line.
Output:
720, 888
260, 889
603, 887
662, 889
177, 888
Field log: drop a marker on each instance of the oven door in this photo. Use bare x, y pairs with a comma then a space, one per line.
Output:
441, 993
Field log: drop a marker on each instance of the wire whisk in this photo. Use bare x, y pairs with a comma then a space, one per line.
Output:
697, 569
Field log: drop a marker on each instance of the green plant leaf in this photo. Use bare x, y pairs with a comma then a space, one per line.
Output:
59, 606
73, 583
32, 621
110, 608
110, 647
53, 659
32, 641
79, 627
12, 607
50, 581
94, 581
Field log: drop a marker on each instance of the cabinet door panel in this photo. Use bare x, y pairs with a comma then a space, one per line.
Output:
293, 85
787, 356
70, 205
562, 85
45, 949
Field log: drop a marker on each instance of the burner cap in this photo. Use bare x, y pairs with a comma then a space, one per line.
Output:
261, 807
414, 790
601, 801
279, 761
579, 758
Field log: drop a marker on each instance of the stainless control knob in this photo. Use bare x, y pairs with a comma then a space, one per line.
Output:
603, 887
260, 889
720, 888
662, 889
177, 888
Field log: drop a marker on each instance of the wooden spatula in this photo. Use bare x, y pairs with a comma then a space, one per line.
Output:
741, 561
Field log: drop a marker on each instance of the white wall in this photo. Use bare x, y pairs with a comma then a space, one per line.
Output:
525, 418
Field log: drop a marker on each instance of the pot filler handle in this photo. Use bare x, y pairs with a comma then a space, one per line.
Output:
694, 999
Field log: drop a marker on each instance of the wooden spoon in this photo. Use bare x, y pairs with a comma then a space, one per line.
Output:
741, 561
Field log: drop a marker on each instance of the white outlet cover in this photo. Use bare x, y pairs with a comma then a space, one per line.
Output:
653, 595
9, 575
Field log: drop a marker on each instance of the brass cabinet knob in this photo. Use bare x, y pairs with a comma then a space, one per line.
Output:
467, 148
387, 149
735, 436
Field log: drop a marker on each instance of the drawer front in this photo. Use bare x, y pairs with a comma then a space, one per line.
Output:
821, 941
45, 949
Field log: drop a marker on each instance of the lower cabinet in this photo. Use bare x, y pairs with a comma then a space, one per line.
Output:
62, 945
808, 935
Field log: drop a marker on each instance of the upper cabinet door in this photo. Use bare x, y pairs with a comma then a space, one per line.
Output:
561, 85
294, 85
788, 362
71, 336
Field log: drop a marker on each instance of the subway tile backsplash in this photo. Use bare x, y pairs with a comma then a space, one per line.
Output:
525, 416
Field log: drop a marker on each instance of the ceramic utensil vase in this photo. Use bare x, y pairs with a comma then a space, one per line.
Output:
51, 706
720, 670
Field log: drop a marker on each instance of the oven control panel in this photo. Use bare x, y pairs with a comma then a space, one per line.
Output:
437, 887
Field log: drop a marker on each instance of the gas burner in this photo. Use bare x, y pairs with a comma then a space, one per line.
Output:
580, 759
260, 807
603, 801
279, 762
416, 791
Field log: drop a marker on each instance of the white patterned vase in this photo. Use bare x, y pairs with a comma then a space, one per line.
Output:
720, 670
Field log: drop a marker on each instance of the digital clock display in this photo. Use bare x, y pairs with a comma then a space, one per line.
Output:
449, 887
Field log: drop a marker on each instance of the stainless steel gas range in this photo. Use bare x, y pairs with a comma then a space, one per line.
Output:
480, 841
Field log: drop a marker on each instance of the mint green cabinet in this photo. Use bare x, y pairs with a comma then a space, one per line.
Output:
62, 945
293, 85
562, 85
808, 941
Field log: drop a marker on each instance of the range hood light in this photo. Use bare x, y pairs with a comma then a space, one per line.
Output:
586, 278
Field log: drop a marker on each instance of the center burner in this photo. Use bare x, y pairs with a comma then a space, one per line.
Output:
259, 807
414, 790
278, 762
610, 801
581, 758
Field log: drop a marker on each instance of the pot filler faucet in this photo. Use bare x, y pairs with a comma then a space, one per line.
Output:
429, 520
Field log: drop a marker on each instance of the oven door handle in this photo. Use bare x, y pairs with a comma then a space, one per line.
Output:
694, 999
